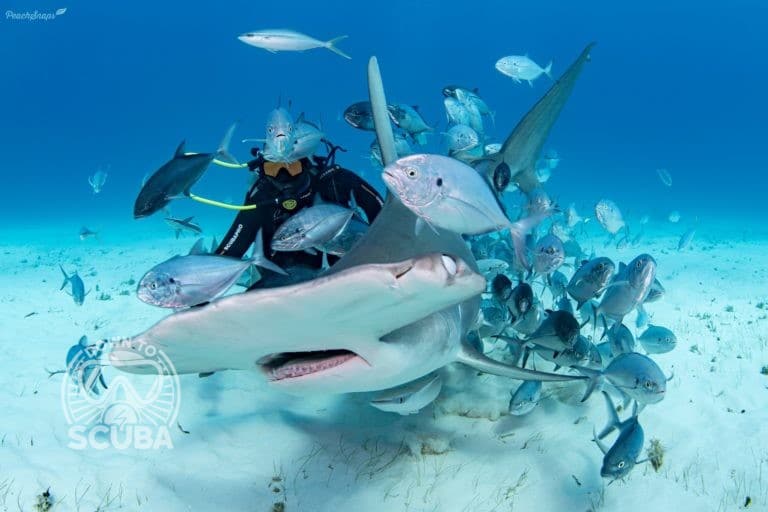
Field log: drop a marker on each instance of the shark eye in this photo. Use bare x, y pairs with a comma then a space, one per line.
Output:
439, 182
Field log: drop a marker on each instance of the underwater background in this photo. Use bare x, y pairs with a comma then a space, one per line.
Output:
117, 86
677, 85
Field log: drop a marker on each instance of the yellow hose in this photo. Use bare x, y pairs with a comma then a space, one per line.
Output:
228, 206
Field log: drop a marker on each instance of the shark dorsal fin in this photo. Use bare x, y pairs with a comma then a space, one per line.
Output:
180, 149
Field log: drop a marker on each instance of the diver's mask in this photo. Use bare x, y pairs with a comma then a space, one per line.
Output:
275, 169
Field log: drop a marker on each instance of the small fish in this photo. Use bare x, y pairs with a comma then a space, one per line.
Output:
619, 459
344, 241
492, 266
628, 289
409, 120
98, 180
280, 136
644, 220
520, 67
548, 254
456, 112
307, 137
502, 176
492, 149
465, 95
590, 280
461, 138
185, 281
674, 217
176, 177
181, 225
636, 375
87, 233
577, 355
402, 148
551, 158
449, 194
410, 398
471, 104
501, 288
559, 331
78, 292
543, 174
359, 115
686, 239
84, 368
621, 339
658, 340
609, 216
665, 177
525, 398
520, 301
557, 283
284, 40
311, 227
656, 292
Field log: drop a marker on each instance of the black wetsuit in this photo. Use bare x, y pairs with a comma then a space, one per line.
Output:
280, 197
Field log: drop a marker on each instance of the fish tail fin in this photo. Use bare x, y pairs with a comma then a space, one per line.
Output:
613, 418
548, 70
331, 45
259, 259
66, 278
519, 229
595, 381
223, 151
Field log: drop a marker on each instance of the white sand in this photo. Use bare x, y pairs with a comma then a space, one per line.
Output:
250, 446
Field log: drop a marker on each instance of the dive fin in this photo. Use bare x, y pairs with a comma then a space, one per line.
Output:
471, 357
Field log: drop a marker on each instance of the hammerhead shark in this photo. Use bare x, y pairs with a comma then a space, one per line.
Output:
395, 308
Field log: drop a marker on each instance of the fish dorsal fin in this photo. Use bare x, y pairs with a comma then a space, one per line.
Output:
301, 119
415, 107
622, 266
180, 150
198, 248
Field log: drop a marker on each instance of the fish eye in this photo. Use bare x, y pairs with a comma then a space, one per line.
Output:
648, 384
411, 172
621, 464
639, 264
153, 286
599, 266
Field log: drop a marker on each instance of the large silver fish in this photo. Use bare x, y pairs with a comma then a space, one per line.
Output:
185, 281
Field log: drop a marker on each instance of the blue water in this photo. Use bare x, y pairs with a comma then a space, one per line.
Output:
675, 86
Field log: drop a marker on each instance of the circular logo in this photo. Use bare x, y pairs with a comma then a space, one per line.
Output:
149, 401
289, 204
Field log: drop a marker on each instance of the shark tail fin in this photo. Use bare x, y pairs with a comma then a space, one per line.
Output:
259, 259
548, 70
595, 381
223, 151
66, 278
331, 45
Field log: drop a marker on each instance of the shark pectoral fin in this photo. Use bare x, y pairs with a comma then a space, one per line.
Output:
471, 357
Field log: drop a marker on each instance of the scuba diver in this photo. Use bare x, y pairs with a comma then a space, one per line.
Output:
288, 178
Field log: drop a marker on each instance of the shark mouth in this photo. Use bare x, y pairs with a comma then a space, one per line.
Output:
291, 365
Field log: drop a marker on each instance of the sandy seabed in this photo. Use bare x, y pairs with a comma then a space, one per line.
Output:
245, 446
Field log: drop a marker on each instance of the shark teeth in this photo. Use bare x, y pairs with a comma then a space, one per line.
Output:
287, 367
